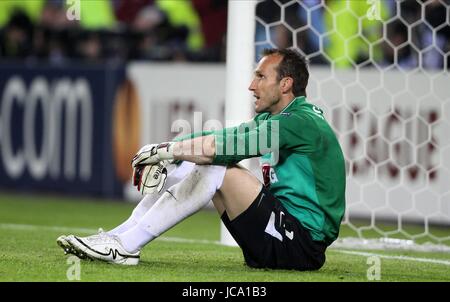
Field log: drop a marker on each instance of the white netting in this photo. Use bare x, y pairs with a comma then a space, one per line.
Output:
379, 69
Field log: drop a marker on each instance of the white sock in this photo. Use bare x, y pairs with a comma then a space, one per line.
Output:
144, 205
174, 177
176, 204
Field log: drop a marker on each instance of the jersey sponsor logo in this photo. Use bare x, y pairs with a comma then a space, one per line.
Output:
286, 113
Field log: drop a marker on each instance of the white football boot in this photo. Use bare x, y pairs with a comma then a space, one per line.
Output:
64, 243
103, 247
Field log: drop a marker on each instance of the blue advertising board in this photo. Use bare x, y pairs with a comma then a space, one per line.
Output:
56, 129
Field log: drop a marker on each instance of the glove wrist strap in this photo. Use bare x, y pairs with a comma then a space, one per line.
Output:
165, 151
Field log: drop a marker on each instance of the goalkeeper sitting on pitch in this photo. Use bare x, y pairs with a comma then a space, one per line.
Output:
285, 223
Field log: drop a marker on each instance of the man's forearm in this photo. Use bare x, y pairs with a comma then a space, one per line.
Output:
200, 150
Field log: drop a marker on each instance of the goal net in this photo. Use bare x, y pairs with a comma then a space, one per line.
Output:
379, 69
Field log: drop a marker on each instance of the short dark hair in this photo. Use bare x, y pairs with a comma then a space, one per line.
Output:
292, 65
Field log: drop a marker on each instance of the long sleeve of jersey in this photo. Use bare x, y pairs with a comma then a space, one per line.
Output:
234, 144
263, 135
193, 135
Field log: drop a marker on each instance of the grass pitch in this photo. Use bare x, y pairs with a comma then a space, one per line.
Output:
29, 226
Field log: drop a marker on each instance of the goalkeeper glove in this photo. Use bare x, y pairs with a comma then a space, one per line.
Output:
150, 178
153, 153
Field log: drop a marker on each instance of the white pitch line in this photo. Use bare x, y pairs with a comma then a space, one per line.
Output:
29, 227
66, 230
428, 260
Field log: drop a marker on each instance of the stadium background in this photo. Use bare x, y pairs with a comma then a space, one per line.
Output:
78, 98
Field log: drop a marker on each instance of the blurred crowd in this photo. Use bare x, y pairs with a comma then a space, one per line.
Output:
407, 33
386, 33
118, 30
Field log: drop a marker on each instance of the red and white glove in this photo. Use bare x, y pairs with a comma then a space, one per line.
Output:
150, 178
153, 153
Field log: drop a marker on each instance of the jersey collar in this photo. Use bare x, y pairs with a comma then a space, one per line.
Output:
297, 100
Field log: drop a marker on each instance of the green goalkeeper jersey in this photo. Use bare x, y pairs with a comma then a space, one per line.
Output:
303, 165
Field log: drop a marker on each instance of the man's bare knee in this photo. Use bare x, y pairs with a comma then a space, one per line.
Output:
239, 189
238, 176
218, 202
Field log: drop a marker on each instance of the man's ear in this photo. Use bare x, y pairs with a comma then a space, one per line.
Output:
286, 84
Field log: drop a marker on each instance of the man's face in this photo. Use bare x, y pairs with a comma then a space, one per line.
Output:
265, 86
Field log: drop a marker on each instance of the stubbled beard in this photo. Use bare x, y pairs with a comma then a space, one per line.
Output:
267, 108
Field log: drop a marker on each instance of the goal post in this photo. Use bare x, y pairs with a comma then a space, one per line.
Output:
380, 71
239, 67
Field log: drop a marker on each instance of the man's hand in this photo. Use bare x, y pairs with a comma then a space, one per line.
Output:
150, 178
153, 153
